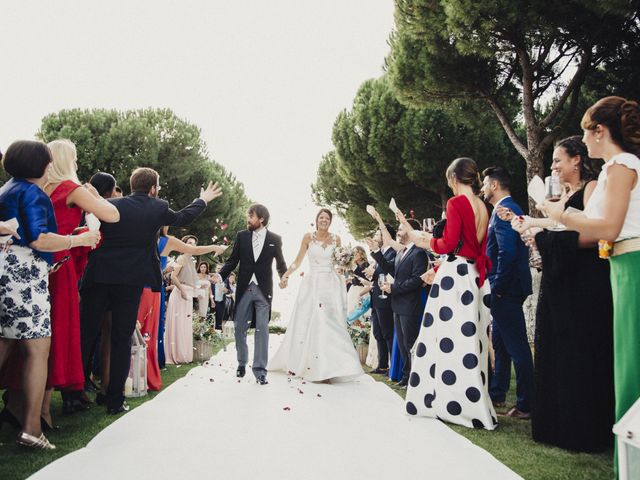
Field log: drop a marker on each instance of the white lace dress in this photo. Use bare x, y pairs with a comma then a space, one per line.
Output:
317, 345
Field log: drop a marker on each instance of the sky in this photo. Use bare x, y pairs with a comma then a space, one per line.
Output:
264, 80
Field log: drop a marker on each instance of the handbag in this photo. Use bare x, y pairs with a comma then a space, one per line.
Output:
138, 370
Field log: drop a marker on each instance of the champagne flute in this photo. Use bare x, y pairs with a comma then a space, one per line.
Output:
382, 279
430, 223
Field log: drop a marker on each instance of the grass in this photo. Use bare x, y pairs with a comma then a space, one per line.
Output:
75, 430
511, 443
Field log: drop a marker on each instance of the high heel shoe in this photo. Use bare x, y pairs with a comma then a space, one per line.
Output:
8, 417
26, 440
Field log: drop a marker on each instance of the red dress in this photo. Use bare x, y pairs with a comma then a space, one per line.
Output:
148, 316
65, 357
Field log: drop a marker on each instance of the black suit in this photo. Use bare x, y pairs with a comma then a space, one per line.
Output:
254, 300
117, 271
406, 298
382, 316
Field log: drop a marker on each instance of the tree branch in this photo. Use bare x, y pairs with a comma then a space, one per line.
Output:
506, 124
574, 84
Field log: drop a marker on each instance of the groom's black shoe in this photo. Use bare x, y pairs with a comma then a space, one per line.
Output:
262, 380
241, 371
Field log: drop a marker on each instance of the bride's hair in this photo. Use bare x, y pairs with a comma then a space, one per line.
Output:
324, 210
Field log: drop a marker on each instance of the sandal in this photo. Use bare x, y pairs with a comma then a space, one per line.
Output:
26, 440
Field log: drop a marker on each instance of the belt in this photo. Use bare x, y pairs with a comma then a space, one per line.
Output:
626, 246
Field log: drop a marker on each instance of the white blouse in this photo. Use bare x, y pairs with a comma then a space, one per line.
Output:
595, 205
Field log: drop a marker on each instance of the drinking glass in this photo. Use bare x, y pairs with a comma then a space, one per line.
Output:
553, 188
382, 279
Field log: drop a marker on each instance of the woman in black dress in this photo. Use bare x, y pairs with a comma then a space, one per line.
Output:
574, 402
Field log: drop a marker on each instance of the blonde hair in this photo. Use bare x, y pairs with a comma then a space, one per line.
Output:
64, 165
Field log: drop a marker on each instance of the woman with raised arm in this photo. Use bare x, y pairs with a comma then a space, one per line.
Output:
179, 335
612, 132
449, 373
317, 346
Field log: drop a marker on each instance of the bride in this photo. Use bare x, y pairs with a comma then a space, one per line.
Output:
317, 346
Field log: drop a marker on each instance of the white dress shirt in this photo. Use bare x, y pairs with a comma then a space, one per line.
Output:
257, 239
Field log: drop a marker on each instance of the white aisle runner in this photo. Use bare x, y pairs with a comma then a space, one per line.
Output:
209, 425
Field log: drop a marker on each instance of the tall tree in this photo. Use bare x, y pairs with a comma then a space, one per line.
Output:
117, 142
384, 149
498, 51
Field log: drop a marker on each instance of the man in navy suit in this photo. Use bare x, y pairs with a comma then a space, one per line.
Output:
406, 293
510, 279
382, 314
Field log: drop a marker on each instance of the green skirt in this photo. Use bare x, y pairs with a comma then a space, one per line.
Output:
625, 286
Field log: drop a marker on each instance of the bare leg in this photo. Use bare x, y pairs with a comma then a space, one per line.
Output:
34, 382
46, 407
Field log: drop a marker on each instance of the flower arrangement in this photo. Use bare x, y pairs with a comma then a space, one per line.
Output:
342, 257
359, 332
204, 329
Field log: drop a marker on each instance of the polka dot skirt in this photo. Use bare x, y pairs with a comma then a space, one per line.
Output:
449, 369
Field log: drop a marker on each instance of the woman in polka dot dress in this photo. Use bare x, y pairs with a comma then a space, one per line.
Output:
449, 372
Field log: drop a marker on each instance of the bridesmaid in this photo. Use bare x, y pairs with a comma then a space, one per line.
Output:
574, 322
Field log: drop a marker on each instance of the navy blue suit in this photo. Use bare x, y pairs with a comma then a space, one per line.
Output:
406, 299
382, 314
510, 279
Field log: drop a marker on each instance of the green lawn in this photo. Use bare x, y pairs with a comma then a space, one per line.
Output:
511, 443
75, 431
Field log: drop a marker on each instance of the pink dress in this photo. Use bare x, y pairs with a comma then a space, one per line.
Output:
178, 341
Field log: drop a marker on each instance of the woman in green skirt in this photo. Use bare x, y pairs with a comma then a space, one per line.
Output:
612, 132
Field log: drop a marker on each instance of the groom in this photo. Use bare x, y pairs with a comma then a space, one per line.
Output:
254, 249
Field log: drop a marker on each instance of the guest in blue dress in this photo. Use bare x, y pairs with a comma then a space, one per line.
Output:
25, 308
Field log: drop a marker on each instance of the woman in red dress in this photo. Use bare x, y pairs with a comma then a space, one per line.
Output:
69, 199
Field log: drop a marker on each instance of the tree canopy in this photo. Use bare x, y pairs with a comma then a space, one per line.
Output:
118, 142
536, 55
384, 149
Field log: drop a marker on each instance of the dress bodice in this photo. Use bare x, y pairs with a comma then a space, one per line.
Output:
320, 254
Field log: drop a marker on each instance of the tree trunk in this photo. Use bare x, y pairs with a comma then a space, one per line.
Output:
535, 166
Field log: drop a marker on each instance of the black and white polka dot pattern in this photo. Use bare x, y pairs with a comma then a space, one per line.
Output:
449, 368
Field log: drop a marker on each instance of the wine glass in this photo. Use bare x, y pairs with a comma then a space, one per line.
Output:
382, 279
553, 188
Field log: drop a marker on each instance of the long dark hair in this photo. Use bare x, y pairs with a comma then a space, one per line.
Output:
575, 147
104, 183
465, 171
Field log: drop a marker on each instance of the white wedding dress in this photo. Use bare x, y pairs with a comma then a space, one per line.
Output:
317, 346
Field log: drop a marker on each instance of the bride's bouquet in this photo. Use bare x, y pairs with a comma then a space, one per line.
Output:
342, 257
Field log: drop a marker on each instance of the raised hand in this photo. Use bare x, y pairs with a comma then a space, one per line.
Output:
212, 192
505, 214
553, 210
521, 223
402, 219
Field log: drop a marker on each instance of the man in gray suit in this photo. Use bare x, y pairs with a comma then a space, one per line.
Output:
254, 249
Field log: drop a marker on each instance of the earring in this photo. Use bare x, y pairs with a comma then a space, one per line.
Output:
597, 140
575, 168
